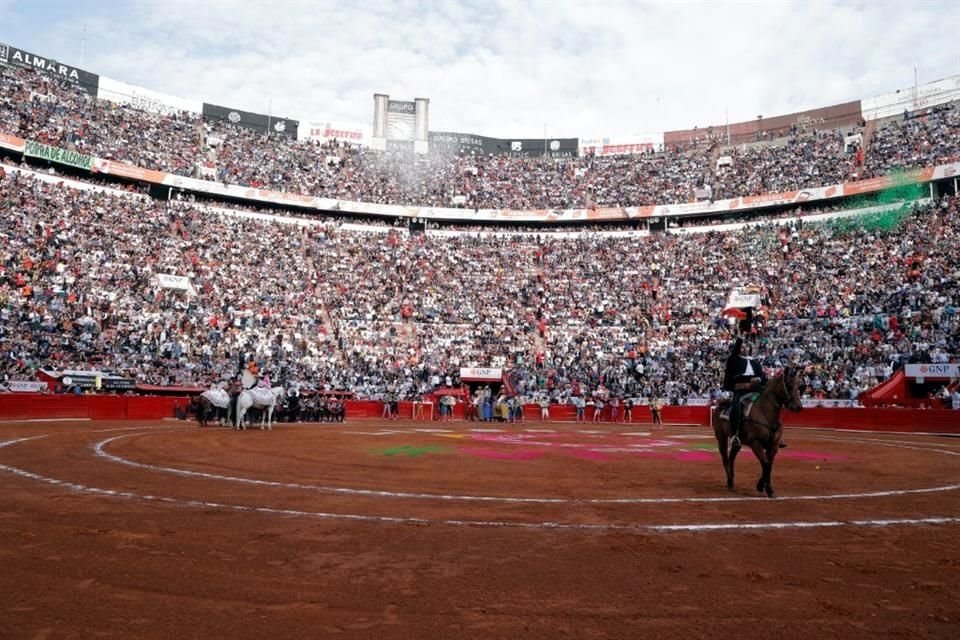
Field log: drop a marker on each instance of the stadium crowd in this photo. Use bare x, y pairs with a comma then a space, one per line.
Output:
387, 313
41, 108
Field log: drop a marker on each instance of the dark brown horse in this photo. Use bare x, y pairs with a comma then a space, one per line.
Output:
761, 429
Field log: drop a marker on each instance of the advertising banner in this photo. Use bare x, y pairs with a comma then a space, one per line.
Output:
326, 131
481, 374
622, 145
552, 147
145, 99
14, 57
250, 120
27, 386
12, 143
58, 155
454, 142
933, 371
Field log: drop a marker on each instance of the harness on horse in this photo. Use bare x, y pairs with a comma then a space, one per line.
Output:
748, 401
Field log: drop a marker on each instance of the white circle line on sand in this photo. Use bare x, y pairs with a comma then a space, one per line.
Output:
99, 450
544, 525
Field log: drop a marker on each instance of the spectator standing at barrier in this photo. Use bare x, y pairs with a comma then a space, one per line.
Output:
544, 408
628, 410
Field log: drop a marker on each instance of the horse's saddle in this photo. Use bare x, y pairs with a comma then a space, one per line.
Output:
217, 397
746, 403
262, 397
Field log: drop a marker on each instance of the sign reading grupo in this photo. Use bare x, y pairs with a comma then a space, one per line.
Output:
58, 155
15, 57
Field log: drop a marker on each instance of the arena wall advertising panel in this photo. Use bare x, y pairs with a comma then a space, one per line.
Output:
250, 120
13, 143
145, 99
84, 80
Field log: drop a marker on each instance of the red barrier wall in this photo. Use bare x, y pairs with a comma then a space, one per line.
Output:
25, 406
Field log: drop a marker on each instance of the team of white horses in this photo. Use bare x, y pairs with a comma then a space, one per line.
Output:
257, 398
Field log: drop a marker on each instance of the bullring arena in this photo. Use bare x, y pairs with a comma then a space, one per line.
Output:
461, 529
164, 258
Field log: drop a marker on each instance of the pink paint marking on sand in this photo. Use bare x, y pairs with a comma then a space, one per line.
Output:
594, 456
494, 454
694, 456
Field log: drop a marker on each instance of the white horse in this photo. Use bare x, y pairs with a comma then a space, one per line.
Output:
264, 399
218, 398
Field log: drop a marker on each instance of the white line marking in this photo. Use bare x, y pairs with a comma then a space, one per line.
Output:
486, 430
638, 528
99, 450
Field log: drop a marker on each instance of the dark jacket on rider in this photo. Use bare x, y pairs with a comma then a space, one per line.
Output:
736, 370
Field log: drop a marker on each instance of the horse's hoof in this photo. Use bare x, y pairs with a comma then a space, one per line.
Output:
771, 493
760, 486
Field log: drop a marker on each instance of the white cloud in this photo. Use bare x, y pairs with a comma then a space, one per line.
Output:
507, 68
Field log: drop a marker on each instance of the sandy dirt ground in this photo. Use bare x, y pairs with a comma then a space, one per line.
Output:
462, 530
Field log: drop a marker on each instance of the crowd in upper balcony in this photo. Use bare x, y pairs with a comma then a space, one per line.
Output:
42, 108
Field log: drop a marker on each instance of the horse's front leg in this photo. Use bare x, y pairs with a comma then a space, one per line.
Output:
761, 452
771, 454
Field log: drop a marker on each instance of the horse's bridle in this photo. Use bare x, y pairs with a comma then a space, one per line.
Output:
780, 403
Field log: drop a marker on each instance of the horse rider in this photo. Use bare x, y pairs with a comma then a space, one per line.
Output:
742, 374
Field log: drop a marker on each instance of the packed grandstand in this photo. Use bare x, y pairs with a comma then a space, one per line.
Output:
101, 270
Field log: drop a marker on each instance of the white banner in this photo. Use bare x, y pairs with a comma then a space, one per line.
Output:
146, 99
180, 283
27, 386
812, 403
481, 373
621, 145
910, 99
325, 131
741, 298
937, 371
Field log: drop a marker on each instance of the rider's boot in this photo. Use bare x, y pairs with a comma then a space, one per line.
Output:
735, 441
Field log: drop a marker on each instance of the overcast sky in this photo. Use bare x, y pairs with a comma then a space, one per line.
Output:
503, 68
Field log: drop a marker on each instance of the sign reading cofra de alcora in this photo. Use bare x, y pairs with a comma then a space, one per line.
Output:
58, 155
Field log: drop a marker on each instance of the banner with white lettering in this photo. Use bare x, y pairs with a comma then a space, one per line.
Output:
250, 120
27, 386
14, 57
